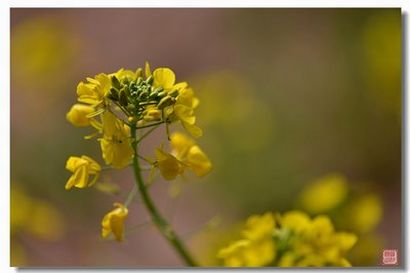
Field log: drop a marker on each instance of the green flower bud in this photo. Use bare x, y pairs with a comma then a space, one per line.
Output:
123, 98
149, 80
113, 95
143, 95
153, 95
173, 93
162, 94
139, 80
131, 107
115, 82
138, 73
159, 89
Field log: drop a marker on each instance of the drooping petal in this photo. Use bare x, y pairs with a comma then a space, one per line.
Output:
168, 165
198, 161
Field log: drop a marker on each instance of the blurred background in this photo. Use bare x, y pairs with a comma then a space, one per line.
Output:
301, 109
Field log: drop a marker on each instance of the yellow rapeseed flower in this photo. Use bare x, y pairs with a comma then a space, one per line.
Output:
185, 154
77, 115
113, 222
169, 166
184, 107
115, 143
185, 102
82, 168
314, 241
94, 91
256, 247
295, 240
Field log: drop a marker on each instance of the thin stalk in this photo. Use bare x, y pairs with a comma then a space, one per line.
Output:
150, 125
161, 223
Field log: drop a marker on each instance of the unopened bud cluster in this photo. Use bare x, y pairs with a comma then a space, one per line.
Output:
135, 96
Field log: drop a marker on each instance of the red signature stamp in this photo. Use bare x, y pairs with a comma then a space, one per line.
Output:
390, 257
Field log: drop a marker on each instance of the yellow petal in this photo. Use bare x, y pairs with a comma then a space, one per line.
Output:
198, 161
168, 165
181, 144
164, 77
78, 115
74, 162
194, 130
84, 89
346, 240
295, 220
184, 113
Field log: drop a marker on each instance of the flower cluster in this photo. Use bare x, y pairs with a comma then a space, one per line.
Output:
290, 239
117, 106
350, 207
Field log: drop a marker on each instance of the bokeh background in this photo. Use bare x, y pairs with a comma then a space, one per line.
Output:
288, 97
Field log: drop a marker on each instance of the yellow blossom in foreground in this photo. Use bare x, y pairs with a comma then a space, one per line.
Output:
82, 168
185, 154
324, 194
296, 240
115, 143
314, 242
77, 115
256, 247
93, 92
113, 222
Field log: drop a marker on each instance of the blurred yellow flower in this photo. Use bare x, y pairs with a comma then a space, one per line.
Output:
184, 107
82, 167
324, 194
113, 222
295, 240
169, 166
256, 247
115, 143
258, 227
77, 115
364, 213
185, 154
35, 216
314, 242
42, 47
382, 59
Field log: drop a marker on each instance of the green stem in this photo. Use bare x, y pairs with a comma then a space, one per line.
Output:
162, 224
